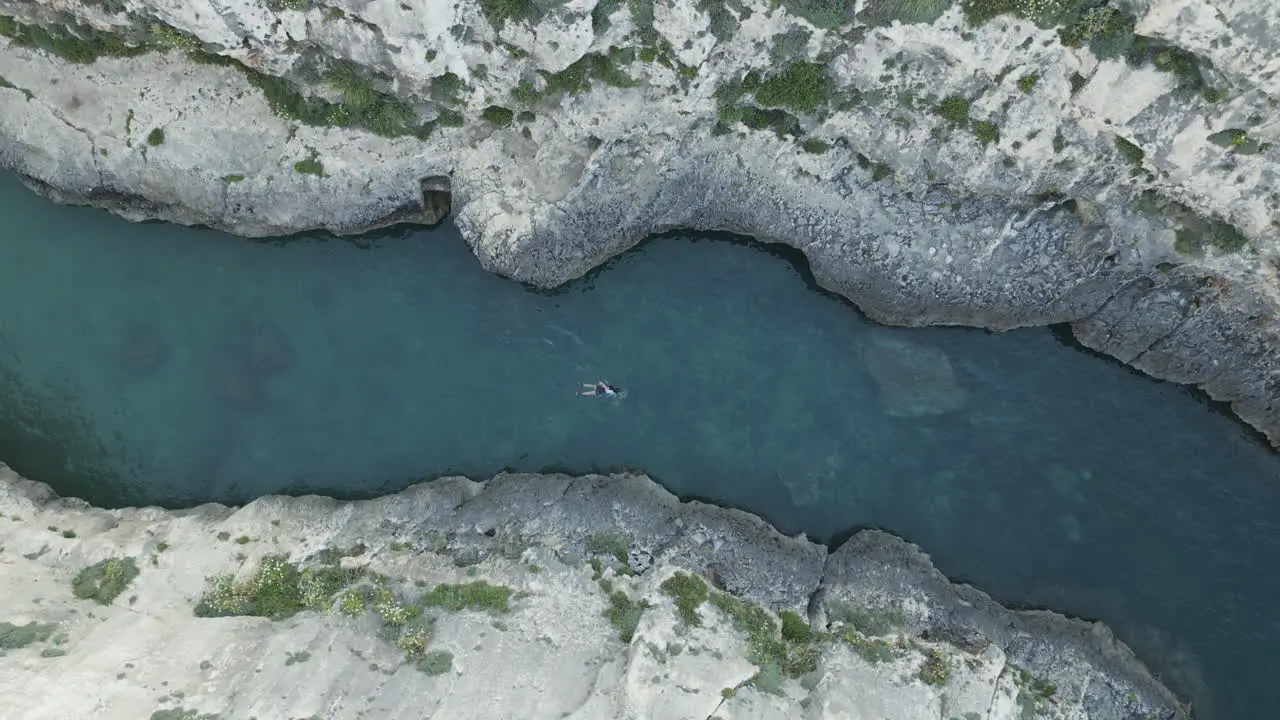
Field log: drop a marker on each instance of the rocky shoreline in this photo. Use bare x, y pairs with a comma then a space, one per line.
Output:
524, 595
1106, 165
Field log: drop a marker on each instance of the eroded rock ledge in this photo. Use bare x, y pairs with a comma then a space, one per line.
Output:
1108, 163
537, 596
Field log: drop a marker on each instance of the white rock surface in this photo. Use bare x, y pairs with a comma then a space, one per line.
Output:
553, 653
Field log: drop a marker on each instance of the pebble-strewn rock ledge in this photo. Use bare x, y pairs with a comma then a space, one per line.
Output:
530, 596
1108, 163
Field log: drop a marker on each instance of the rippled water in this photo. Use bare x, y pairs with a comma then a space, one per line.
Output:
156, 364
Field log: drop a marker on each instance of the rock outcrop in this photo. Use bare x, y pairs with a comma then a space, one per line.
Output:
523, 596
997, 163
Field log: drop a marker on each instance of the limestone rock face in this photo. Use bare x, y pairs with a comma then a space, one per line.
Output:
1107, 164
515, 597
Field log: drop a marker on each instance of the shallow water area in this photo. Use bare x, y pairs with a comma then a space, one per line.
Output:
153, 364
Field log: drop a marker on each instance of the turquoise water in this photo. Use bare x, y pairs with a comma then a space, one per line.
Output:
156, 364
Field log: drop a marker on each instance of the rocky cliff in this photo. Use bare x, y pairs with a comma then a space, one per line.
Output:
998, 163
523, 596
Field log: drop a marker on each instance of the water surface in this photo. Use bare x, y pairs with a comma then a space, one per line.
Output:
156, 364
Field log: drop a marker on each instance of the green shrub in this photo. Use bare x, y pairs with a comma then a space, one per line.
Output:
1129, 151
985, 132
802, 87
436, 662
624, 614
155, 137
688, 592
609, 544
955, 110
1226, 237
498, 115
1108, 32
310, 165
478, 595
103, 581
446, 88
794, 628
1027, 82
298, 5
815, 146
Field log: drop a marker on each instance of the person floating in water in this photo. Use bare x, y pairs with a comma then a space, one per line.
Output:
601, 389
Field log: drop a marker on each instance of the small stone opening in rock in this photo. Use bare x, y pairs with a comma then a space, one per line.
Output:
437, 198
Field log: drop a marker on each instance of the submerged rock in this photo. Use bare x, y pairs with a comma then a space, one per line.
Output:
532, 596
915, 379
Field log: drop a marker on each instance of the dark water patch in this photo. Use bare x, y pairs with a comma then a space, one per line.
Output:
1042, 475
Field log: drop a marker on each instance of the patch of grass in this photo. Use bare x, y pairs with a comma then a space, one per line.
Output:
789, 650
802, 87
955, 110
103, 581
273, 591
478, 595
243, 540
873, 650
935, 670
498, 115
867, 621
165, 37
1226, 237
436, 662
13, 636
352, 602
624, 614
577, 78
52, 652
74, 43
1027, 82
688, 592
1133, 154
446, 88
985, 132
69, 534
1229, 138
297, 657
824, 14
794, 628
310, 165
882, 13
815, 146
609, 544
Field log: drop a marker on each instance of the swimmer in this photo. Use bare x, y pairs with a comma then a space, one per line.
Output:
601, 389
